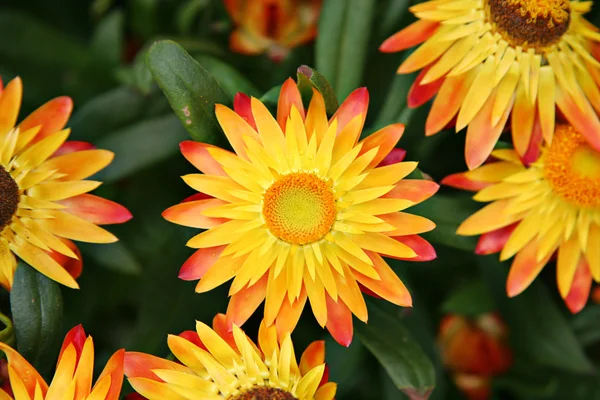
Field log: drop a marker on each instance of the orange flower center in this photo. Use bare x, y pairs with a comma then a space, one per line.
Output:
299, 208
572, 168
264, 393
9, 197
533, 24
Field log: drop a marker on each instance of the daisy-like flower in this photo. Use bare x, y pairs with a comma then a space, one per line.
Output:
44, 191
488, 59
73, 376
272, 26
474, 351
302, 211
221, 364
552, 205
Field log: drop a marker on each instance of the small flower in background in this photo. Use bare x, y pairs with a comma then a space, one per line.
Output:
73, 376
45, 203
272, 26
474, 351
489, 59
219, 363
551, 206
302, 211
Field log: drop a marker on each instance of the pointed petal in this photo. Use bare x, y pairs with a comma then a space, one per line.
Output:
413, 34
235, 128
580, 288
198, 155
10, 104
461, 181
52, 116
423, 249
421, 93
355, 104
389, 286
525, 268
190, 214
80, 164
288, 97
494, 241
96, 210
384, 139
200, 262
243, 304
241, 105
414, 190
339, 321
72, 146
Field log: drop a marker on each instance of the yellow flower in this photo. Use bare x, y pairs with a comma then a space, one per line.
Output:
220, 364
272, 26
73, 377
488, 59
302, 210
552, 205
44, 191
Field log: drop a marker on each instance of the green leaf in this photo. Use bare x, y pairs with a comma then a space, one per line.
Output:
342, 42
471, 299
448, 210
188, 12
7, 335
37, 310
586, 325
308, 78
271, 97
538, 328
141, 145
403, 359
114, 256
191, 90
227, 76
107, 42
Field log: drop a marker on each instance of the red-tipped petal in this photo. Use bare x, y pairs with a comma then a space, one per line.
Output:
222, 326
76, 336
289, 314
523, 116
197, 154
241, 105
74, 266
52, 116
189, 213
97, 210
415, 190
23, 369
196, 266
243, 304
288, 97
525, 268
384, 139
420, 94
192, 336
339, 321
494, 241
141, 365
580, 288
535, 144
114, 368
388, 287
450, 97
72, 146
313, 356
586, 121
355, 104
395, 156
10, 104
424, 249
413, 34
460, 181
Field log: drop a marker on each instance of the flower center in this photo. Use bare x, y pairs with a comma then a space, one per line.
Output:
530, 23
299, 208
9, 197
264, 393
572, 168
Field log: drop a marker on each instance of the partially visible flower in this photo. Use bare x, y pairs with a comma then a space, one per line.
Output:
272, 26
45, 203
73, 376
474, 350
221, 364
487, 60
551, 206
302, 211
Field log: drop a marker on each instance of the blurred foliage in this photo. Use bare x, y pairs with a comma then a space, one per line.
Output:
96, 51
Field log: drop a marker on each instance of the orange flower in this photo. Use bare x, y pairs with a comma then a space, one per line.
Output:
301, 211
474, 351
272, 26
223, 364
45, 201
488, 59
73, 377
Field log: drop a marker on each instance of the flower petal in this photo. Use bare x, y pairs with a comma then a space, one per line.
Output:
52, 116
415, 190
10, 104
96, 210
580, 288
243, 304
197, 154
190, 214
200, 262
288, 97
384, 139
525, 268
339, 321
355, 104
423, 249
241, 105
421, 93
494, 241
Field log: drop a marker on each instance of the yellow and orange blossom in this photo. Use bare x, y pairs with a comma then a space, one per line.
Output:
272, 26
73, 376
552, 206
217, 364
301, 211
45, 201
488, 60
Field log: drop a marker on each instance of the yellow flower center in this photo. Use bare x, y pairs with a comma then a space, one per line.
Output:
299, 208
9, 197
572, 168
264, 393
533, 24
